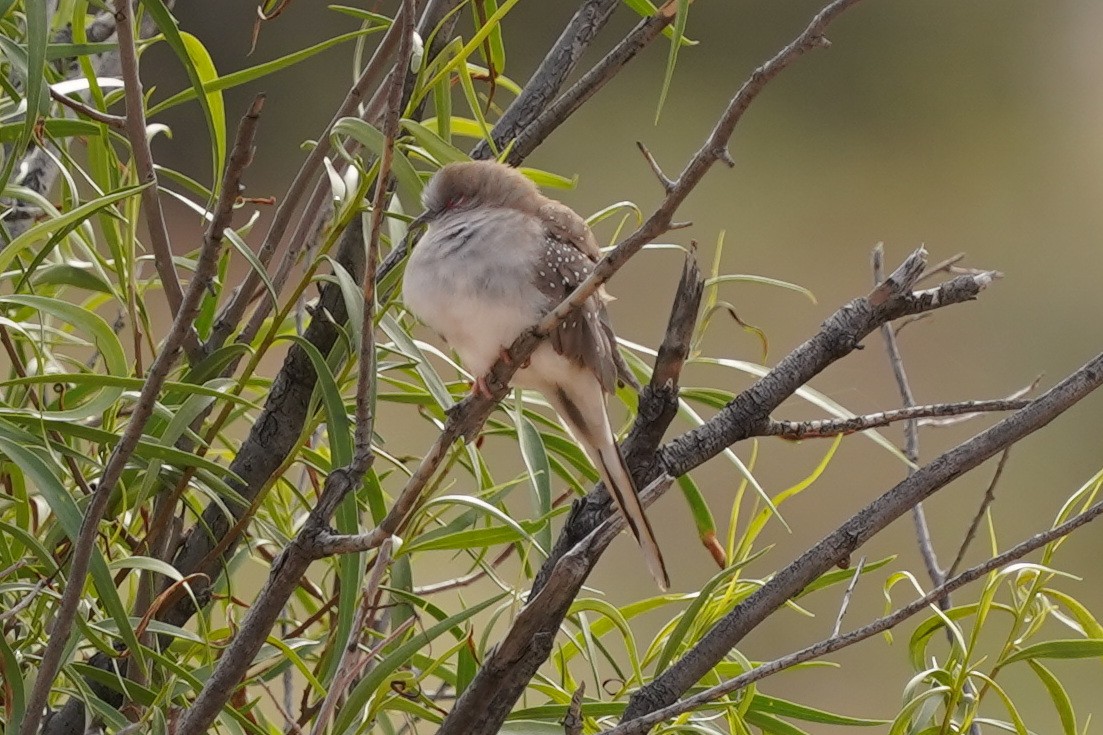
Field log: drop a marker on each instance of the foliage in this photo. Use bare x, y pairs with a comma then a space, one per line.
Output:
80, 315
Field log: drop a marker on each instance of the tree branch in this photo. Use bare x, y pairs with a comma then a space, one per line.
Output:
577, 35
643, 723
842, 542
833, 427
147, 174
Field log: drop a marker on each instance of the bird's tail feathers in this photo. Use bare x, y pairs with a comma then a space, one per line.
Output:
614, 473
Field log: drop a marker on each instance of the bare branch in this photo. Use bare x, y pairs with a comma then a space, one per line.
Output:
911, 431
846, 596
664, 180
833, 427
951, 420
114, 121
644, 723
159, 240
233, 312
351, 662
530, 137
989, 496
867, 522
557, 65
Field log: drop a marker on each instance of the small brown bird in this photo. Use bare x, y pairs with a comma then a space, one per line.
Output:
497, 256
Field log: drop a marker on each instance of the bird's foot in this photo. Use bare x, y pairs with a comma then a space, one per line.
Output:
480, 388
508, 359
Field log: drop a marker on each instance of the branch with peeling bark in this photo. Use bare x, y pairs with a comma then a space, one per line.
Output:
834, 427
644, 723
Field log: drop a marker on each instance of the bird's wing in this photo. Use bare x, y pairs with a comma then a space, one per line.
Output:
583, 337
564, 224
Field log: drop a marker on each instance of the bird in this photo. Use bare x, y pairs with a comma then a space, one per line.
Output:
496, 256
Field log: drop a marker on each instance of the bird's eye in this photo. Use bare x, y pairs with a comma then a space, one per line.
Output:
456, 201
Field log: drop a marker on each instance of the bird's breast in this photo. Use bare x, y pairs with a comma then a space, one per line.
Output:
470, 282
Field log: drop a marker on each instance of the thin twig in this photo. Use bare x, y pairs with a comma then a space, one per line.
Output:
350, 658
664, 180
825, 428
943, 266
577, 36
911, 430
159, 239
989, 496
241, 155
527, 139
231, 315
942, 423
114, 121
643, 724
846, 596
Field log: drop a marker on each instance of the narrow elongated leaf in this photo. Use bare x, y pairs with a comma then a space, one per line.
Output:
253, 73
358, 698
199, 67
1073, 648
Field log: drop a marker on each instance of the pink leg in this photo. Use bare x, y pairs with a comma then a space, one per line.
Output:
480, 388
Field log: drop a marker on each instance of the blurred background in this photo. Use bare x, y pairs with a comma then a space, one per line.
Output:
969, 127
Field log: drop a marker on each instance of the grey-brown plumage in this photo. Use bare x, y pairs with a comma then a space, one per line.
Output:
496, 257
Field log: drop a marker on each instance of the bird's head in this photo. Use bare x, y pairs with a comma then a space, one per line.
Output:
460, 186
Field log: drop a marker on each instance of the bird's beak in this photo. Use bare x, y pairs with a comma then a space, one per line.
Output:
415, 224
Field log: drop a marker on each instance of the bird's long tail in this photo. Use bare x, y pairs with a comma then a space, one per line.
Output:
614, 473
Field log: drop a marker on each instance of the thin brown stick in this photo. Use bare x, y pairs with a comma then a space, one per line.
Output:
114, 121
350, 662
135, 128
643, 724
231, 315
826, 428
989, 496
846, 596
911, 430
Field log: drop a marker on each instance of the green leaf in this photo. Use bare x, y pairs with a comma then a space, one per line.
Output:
433, 144
785, 708
672, 58
200, 69
536, 463
1074, 648
13, 677
357, 700
45, 229
647, 9
70, 518
679, 635
252, 73
1058, 696
71, 274
105, 340
409, 183
471, 46
761, 280
771, 724
254, 263
38, 29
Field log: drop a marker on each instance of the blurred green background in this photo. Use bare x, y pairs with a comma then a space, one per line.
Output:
972, 127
